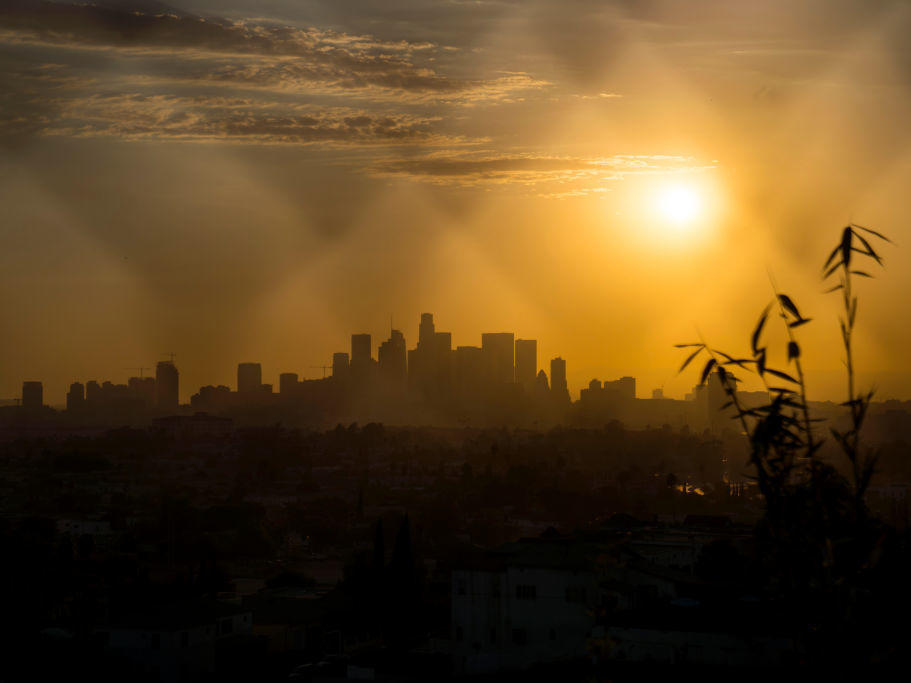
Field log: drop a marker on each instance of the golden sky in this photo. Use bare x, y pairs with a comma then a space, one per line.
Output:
256, 180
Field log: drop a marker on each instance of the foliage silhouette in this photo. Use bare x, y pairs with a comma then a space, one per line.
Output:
818, 544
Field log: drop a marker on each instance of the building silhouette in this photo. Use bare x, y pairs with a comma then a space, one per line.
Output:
558, 388
143, 390
499, 360
32, 396
430, 362
340, 366
361, 357
469, 372
75, 397
249, 378
526, 363
392, 359
287, 384
167, 381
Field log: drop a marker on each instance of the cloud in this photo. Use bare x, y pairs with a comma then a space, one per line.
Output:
571, 176
247, 53
219, 119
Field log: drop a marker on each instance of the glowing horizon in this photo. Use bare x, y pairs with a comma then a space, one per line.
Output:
601, 176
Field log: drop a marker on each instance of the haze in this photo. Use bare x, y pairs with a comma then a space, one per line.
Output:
260, 185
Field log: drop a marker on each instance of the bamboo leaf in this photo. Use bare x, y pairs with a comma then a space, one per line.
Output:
861, 273
846, 243
870, 250
793, 350
754, 342
798, 323
789, 304
873, 232
689, 359
832, 270
707, 370
831, 257
782, 375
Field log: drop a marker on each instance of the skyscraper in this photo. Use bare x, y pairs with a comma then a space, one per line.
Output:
558, 386
75, 398
426, 329
32, 396
166, 385
340, 366
526, 363
469, 372
391, 358
142, 389
287, 384
361, 356
498, 349
249, 378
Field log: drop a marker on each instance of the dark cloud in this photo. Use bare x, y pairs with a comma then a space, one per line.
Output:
205, 119
352, 61
550, 176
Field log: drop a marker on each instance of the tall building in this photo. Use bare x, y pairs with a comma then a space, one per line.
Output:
75, 397
426, 329
498, 349
167, 381
469, 371
142, 389
526, 363
287, 384
391, 358
92, 393
624, 388
361, 358
558, 386
32, 396
340, 366
430, 362
249, 378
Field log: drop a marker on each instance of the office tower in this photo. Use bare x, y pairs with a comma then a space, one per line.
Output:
498, 349
340, 365
142, 389
526, 363
623, 388
249, 378
657, 394
541, 389
430, 363
391, 358
361, 356
166, 385
92, 393
75, 397
287, 384
32, 396
426, 329
441, 363
558, 386
469, 371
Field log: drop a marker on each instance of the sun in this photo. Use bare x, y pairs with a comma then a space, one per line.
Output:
679, 205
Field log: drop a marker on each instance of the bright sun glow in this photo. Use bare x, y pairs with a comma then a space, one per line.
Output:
679, 205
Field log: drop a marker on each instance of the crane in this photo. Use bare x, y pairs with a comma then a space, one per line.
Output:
323, 367
141, 370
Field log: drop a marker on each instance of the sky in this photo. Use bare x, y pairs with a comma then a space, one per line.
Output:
256, 180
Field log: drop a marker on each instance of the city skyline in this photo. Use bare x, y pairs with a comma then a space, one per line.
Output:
255, 180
